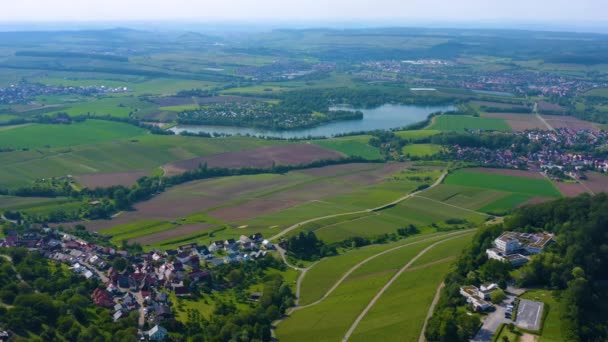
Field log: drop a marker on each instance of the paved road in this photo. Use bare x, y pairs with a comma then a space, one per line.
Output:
493, 321
386, 286
297, 225
421, 338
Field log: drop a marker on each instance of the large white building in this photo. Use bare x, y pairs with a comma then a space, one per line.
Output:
514, 247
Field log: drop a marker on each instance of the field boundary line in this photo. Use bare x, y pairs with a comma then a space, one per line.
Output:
371, 304
291, 310
363, 262
454, 206
388, 205
421, 338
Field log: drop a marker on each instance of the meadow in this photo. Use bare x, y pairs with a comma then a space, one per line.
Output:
59, 135
421, 150
352, 146
462, 123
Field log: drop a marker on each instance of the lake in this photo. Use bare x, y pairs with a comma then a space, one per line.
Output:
384, 117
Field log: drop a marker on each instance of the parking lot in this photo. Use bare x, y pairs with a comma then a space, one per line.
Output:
529, 314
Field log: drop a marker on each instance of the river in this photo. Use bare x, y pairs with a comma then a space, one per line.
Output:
385, 117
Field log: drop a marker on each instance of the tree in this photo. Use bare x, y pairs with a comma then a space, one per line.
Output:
119, 264
497, 296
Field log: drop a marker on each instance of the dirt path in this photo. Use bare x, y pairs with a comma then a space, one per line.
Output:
354, 268
539, 117
297, 225
345, 276
430, 312
454, 206
387, 285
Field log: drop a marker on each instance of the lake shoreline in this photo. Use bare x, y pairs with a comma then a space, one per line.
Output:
385, 117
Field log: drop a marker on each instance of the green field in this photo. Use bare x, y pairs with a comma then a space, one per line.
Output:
506, 203
417, 134
81, 133
421, 150
461, 123
330, 319
180, 108
521, 185
352, 146
145, 152
400, 313
324, 274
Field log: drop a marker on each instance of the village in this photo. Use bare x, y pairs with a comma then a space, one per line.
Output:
142, 282
548, 151
445, 73
22, 93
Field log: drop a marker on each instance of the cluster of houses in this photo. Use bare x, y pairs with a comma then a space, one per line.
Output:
478, 296
24, 92
148, 279
551, 152
516, 248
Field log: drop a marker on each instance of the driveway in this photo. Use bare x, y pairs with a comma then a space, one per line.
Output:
494, 320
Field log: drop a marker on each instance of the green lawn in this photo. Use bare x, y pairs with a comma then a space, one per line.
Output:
526, 186
421, 150
88, 132
461, 123
352, 146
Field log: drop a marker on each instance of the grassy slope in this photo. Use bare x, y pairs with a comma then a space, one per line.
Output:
324, 274
400, 313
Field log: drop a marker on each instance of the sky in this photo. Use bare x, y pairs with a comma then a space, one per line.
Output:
583, 12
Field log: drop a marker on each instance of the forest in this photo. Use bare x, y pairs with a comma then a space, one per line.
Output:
573, 267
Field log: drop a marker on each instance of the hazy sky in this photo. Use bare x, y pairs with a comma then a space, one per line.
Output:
572, 11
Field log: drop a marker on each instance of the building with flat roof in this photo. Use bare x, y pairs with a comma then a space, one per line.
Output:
515, 248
